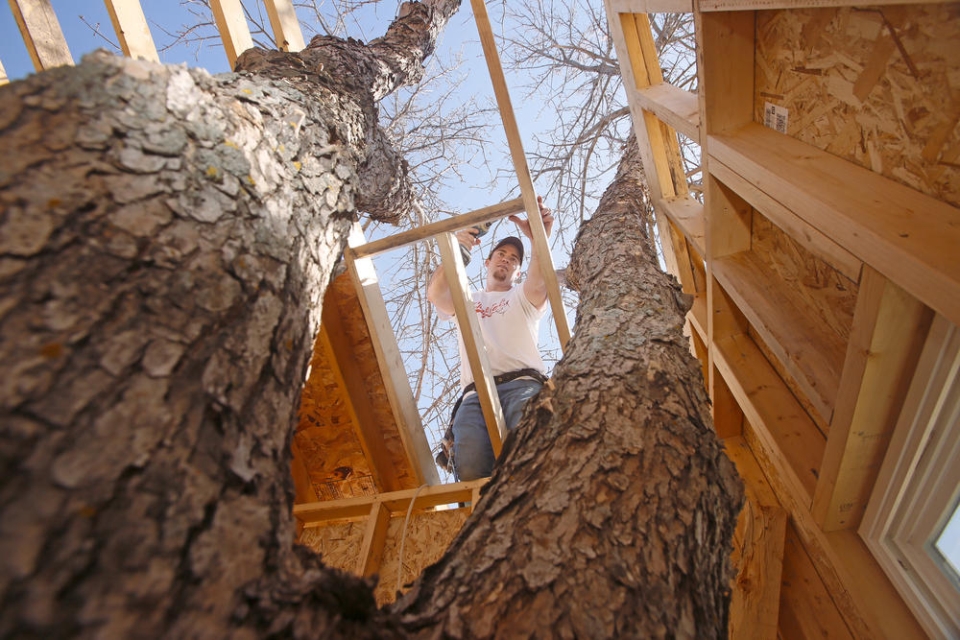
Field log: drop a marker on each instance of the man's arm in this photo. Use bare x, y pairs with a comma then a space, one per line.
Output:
438, 289
534, 286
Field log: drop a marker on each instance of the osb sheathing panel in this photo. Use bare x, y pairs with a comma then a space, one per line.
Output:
428, 535
877, 86
326, 437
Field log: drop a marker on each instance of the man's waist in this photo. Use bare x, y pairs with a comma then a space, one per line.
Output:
509, 376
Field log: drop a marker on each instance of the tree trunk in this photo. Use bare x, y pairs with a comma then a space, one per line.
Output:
165, 241
611, 511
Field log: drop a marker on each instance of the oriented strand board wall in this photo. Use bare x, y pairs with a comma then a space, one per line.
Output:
429, 533
877, 86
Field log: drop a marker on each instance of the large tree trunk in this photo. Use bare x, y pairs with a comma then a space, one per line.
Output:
165, 241
611, 511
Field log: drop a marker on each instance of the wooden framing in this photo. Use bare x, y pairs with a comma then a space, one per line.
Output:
41, 33
131, 28
286, 27
233, 28
807, 373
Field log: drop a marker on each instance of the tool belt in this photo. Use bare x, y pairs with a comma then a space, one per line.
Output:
444, 457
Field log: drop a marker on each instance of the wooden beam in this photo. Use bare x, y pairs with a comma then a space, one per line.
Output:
539, 241
395, 502
783, 428
888, 334
870, 605
772, 5
649, 6
3, 76
353, 390
909, 237
232, 24
758, 551
462, 221
394, 375
132, 30
473, 340
286, 27
725, 49
374, 540
806, 235
41, 33
809, 351
678, 108
687, 214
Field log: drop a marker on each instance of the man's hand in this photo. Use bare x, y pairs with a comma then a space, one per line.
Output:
545, 214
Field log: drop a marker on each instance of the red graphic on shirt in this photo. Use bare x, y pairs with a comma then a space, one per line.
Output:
498, 308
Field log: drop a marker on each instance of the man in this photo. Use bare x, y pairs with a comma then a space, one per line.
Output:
509, 318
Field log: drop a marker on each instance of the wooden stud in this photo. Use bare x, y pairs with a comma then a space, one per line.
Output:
725, 49
782, 427
232, 24
41, 33
132, 30
806, 235
462, 221
888, 334
3, 76
687, 214
812, 354
396, 502
395, 380
909, 237
473, 340
374, 539
676, 107
758, 551
746, 6
353, 392
649, 6
286, 27
539, 241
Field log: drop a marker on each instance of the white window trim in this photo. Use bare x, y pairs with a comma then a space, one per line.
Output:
919, 484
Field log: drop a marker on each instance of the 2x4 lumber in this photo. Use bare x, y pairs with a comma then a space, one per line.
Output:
758, 551
131, 28
870, 605
651, 6
783, 429
725, 50
448, 225
41, 33
395, 380
811, 353
808, 236
909, 237
473, 340
353, 386
761, 5
687, 214
395, 502
3, 76
888, 333
678, 108
374, 540
232, 24
541, 247
286, 27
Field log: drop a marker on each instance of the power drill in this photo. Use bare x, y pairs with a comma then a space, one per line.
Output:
482, 229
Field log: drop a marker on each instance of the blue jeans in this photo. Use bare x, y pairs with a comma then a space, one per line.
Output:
472, 452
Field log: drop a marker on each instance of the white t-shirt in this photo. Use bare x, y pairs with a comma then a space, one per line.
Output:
510, 325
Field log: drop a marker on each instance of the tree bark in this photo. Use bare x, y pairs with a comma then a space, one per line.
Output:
612, 509
165, 241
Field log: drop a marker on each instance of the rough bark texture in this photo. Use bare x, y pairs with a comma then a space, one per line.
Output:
612, 510
165, 240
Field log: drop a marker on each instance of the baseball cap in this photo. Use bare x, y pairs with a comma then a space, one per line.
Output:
514, 242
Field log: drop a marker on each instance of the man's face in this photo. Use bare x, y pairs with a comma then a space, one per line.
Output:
503, 266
